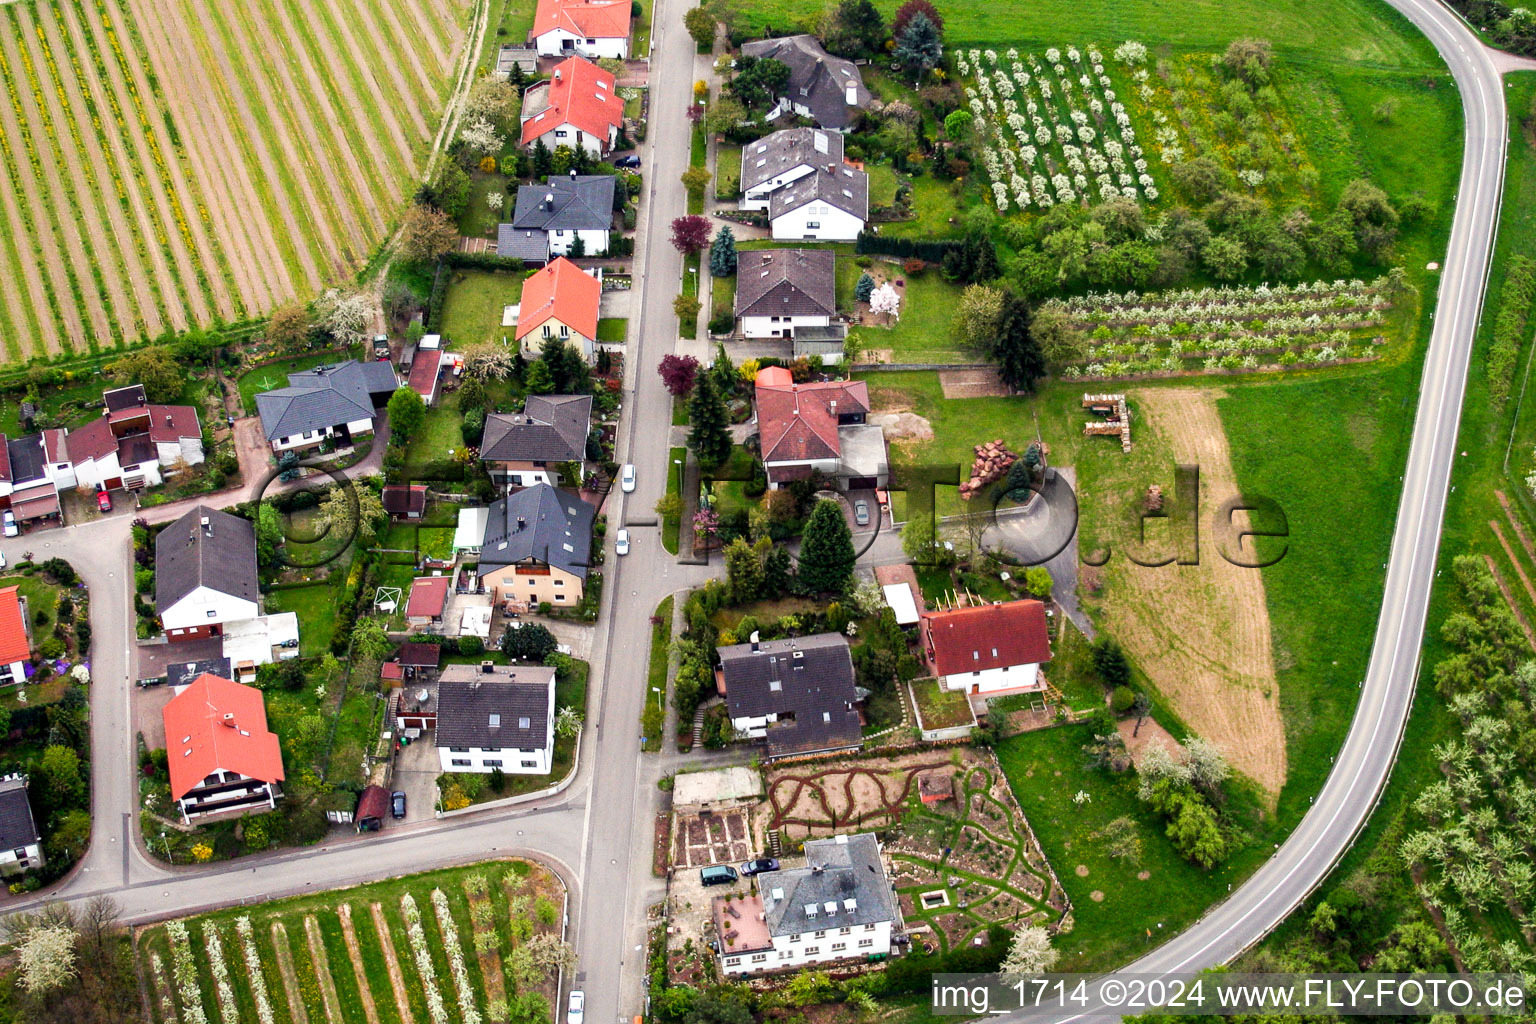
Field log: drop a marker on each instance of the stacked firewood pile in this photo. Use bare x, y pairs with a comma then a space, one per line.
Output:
992, 461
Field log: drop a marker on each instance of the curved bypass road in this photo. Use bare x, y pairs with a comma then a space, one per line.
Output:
1361, 768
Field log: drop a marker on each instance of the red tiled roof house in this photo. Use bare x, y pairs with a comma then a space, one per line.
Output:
987, 649
135, 443
590, 28
222, 757
818, 428
560, 301
578, 106
429, 596
15, 640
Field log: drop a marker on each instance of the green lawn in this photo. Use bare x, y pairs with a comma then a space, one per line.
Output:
921, 332
612, 330
275, 375
1046, 769
935, 205
672, 524
510, 22
882, 184
722, 295
439, 435
473, 306
940, 709
65, 405
315, 606
727, 171
656, 675
478, 219
42, 599
689, 327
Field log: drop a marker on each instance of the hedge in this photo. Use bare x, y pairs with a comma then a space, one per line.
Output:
930, 249
1509, 329
482, 261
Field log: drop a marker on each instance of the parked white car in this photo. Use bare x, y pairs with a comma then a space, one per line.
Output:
575, 1008
621, 542
627, 478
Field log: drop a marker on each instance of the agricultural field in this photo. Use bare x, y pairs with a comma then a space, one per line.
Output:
466, 945
166, 165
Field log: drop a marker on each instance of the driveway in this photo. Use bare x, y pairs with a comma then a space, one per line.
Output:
416, 770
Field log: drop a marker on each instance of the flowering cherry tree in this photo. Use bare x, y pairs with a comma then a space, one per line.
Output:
884, 300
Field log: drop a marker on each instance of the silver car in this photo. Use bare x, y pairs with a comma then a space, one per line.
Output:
861, 512
575, 1008
621, 543
627, 479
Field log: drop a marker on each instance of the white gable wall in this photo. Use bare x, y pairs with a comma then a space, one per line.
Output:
779, 326
817, 221
757, 198
560, 42
194, 610
1011, 677
560, 241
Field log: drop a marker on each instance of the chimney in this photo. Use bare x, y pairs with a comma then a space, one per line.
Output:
520, 522
557, 74
753, 638
549, 200
487, 667
573, 174
229, 719
167, 419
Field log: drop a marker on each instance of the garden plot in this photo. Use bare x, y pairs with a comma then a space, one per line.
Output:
699, 840
467, 945
1053, 131
1231, 329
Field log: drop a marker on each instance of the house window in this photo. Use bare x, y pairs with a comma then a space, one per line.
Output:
516, 479
559, 234
591, 42
559, 598
820, 935
758, 958
559, 133
565, 332
734, 961
844, 931
461, 762
490, 750
559, 583
20, 853
213, 613
177, 632
529, 764
458, 750
812, 950
838, 947
492, 762
866, 942
783, 954
812, 225
869, 927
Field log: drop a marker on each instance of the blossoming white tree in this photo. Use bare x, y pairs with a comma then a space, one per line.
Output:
46, 958
1030, 952
495, 200
481, 137
884, 300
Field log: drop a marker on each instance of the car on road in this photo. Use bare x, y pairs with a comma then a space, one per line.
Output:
757, 867
621, 543
397, 804
861, 512
632, 161
627, 478
11, 529
575, 1008
104, 501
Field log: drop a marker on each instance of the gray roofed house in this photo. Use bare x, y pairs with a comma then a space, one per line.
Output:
783, 151
507, 706
322, 401
551, 428
527, 244
549, 217
786, 282
538, 524
797, 693
524, 58
181, 673
205, 548
825, 88
844, 880
20, 841
845, 188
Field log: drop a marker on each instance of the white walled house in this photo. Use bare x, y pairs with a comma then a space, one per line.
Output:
827, 206
796, 694
15, 637
550, 219
780, 291
496, 716
827, 89
987, 649
222, 757
839, 907
578, 106
205, 574
335, 403
784, 157
21, 846
588, 28
818, 428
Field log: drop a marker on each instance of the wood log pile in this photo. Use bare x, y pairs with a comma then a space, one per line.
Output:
1119, 421
992, 461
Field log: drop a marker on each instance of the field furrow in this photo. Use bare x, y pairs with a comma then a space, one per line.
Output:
324, 216
262, 282
321, 964
342, 52
115, 264
417, 102
66, 298
430, 82
343, 151
295, 232
429, 31
296, 1005
120, 173
27, 318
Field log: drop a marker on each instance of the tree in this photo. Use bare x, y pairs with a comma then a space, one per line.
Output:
884, 301
347, 318
269, 534
1110, 663
354, 512
369, 641
449, 191
529, 641
539, 380
543, 160
958, 125
288, 325
700, 24
976, 316
480, 136
917, 540
710, 436
567, 721
690, 234
1248, 61
426, 233
163, 378
687, 308
1037, 580
1373, 215
855, 29
722, 253
906, 11
45, 959
71, 835
491, 97
778, 573
743, 571
1029, 953
919, 47
407, 412
722, 1004
1060, 341
695, 180
724, 115
826, 551
1226, 257
1019, 359
551, 952
1208, 769
758, 81
669, 505
678, 373
57, 780
863, 288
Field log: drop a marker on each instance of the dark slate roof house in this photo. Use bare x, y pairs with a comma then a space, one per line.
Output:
503, 707
205, 548
829, 88
18, 830
181, 673
846, 188
805, 683
540, 524
326, 396
575, 203
786, 282
842, 885
551, 428
784, 150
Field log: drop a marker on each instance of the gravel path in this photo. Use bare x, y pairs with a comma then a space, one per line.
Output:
49, 253
262, 279
133, 305
109, 137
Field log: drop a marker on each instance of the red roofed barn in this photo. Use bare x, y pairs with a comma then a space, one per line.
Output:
429, 596
15, 642
989, 648
818, 428
578, 106
560, 301
590, 28
221, 755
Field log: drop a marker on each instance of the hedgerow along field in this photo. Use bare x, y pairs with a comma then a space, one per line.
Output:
165, 165
465, 945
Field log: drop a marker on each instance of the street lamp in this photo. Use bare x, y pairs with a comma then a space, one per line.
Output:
167, 843
679, 464
657, 691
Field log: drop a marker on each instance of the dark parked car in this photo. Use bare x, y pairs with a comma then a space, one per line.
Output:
630, 161
397, 804
757, 867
